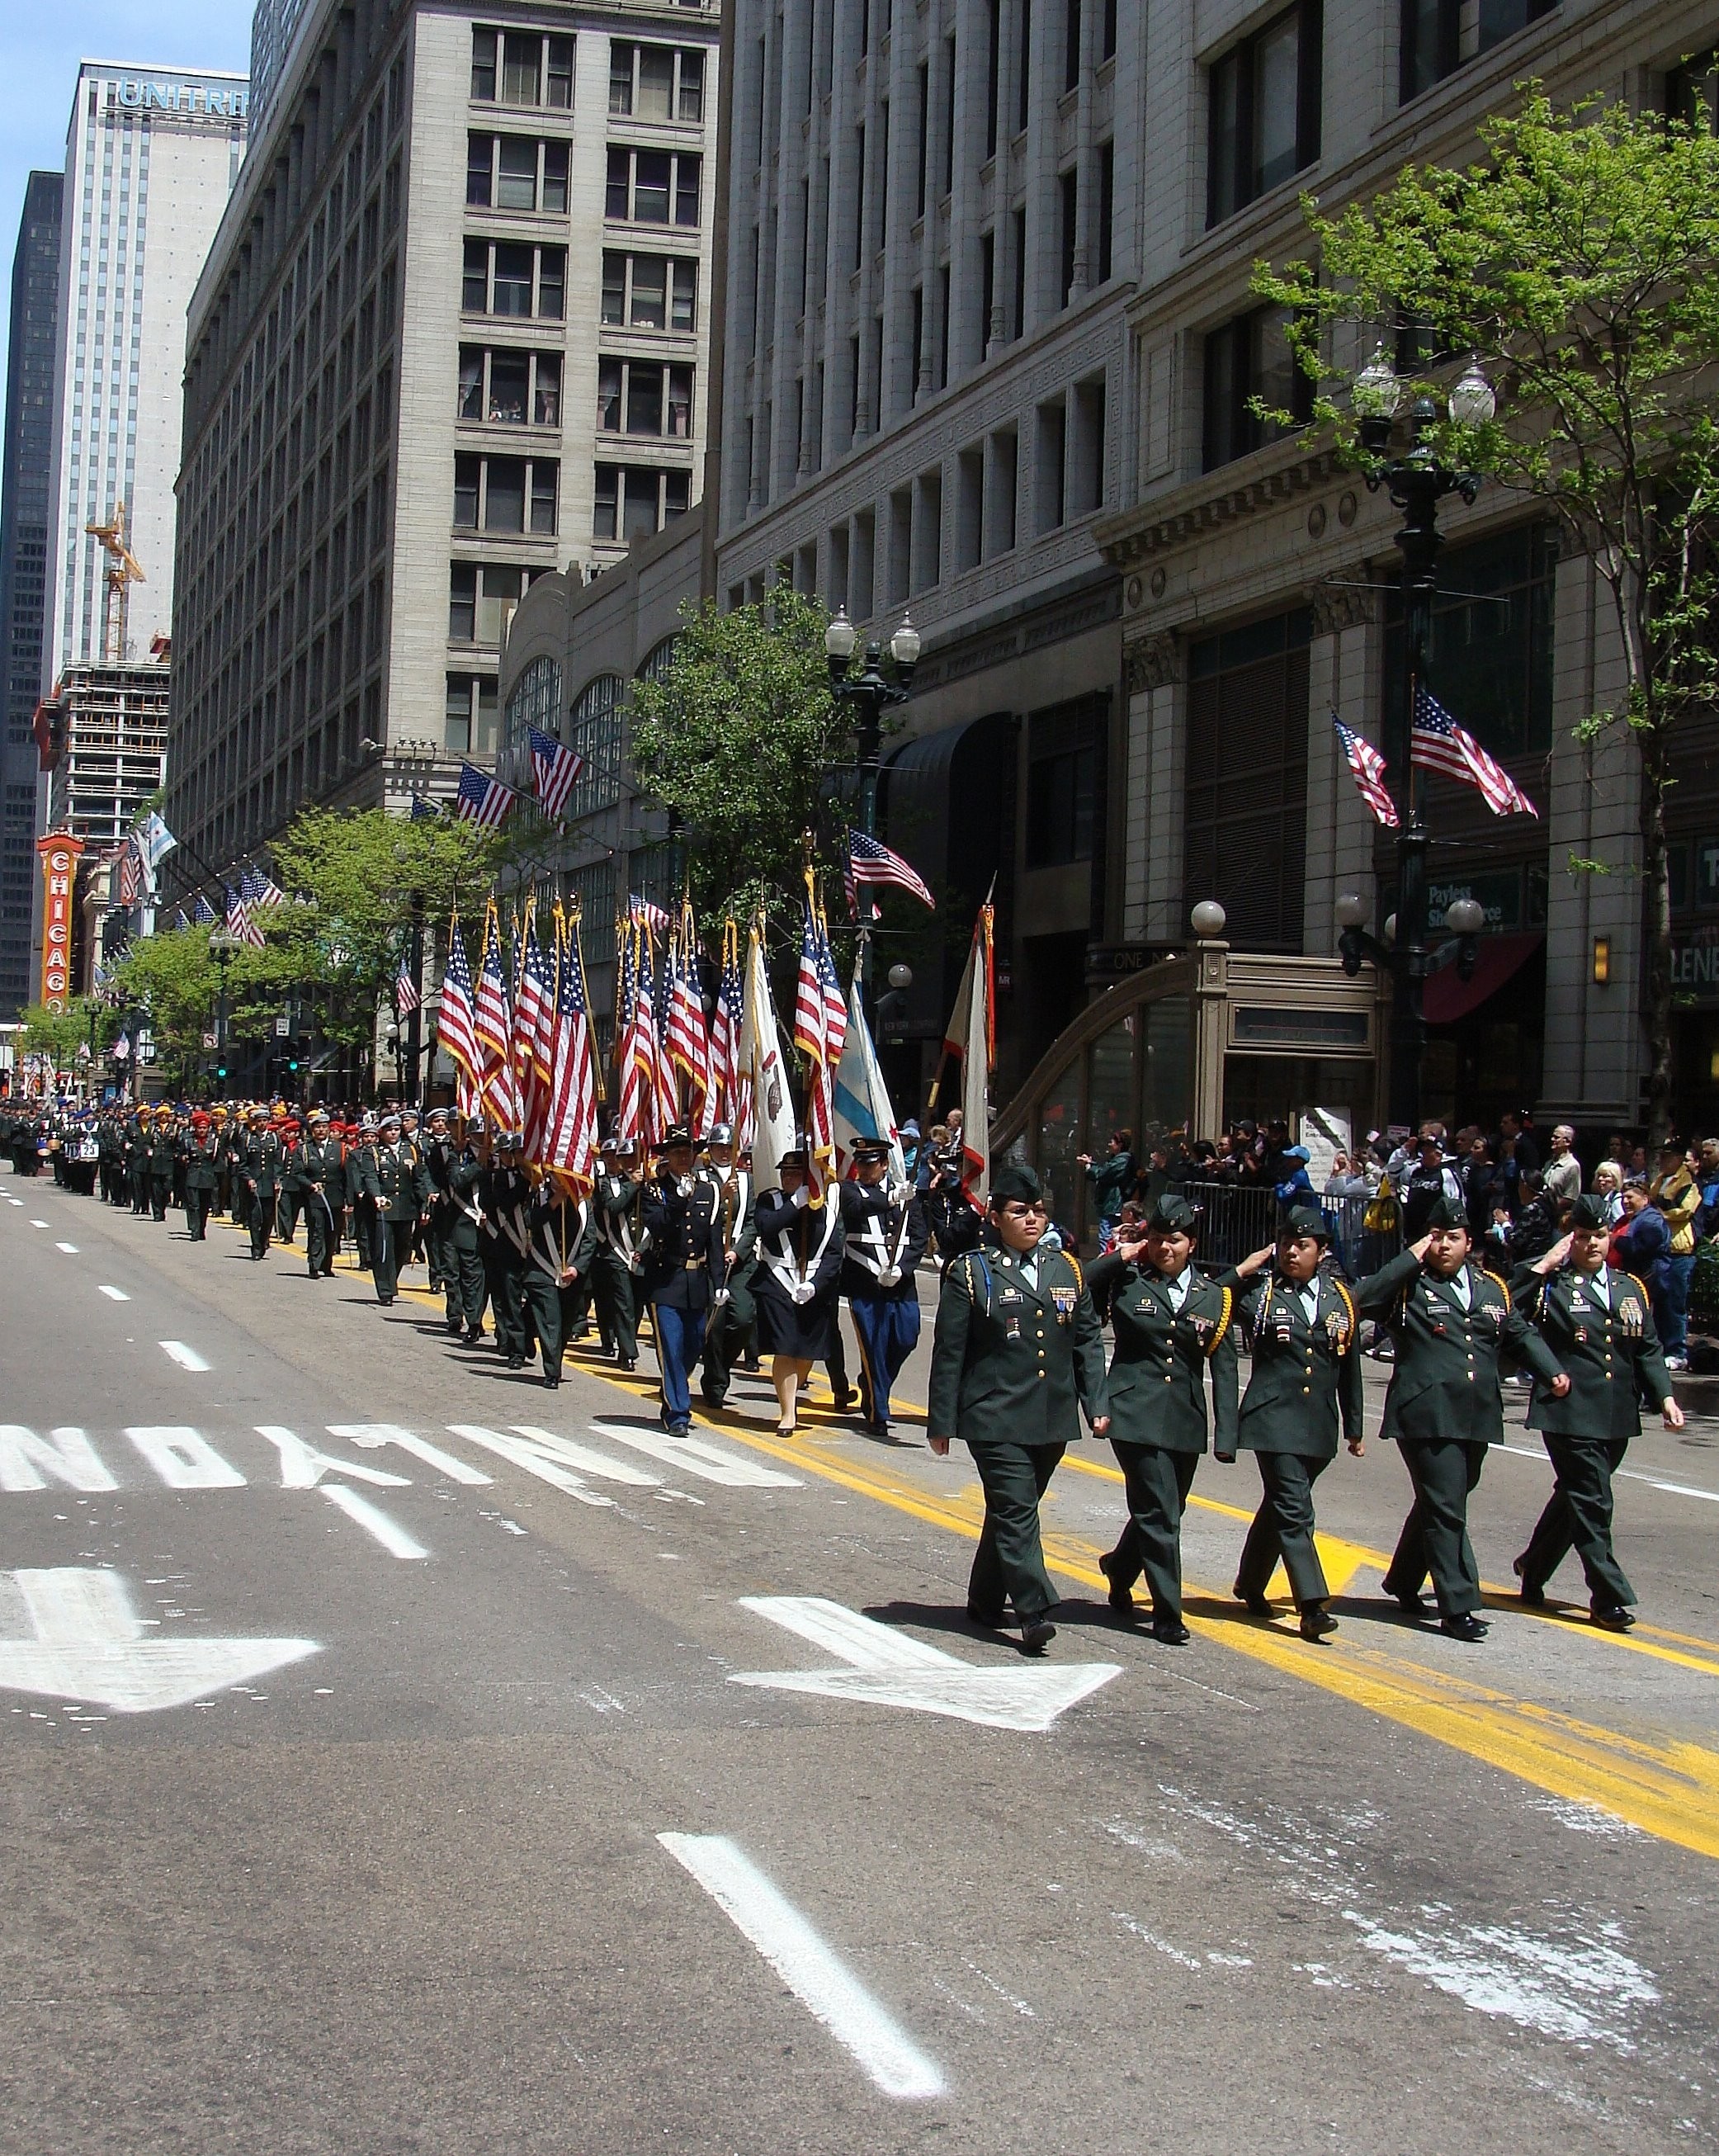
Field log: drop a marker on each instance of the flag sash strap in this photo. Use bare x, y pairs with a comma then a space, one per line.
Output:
781, 1265
871, 1232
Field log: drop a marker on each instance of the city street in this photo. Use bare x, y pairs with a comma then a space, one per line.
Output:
402, 1758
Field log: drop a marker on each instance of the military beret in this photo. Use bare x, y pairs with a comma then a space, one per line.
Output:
1173, 1216
1446, 1213
1589, 1212
1304, 1220
1016, 1184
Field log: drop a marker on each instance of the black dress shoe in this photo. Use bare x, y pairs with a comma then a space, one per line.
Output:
1037, 1635
1120, 1598
1532, 1592
515, 1361
987, 1620
1170, 1632
1317, 1621
1612, 1616
551, 1382
843, 1400
1256, 1605
1465, 1627
1411, 1606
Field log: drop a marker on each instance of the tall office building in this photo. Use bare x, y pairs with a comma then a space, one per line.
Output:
150, 160
272, 28
24, 515
452, 336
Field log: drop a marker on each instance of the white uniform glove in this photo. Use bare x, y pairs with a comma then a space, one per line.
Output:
802, 1197
803, 1292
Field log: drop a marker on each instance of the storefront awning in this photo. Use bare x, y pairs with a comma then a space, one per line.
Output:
1450, 998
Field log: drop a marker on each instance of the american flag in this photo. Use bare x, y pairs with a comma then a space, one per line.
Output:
820, 1023
650, 913
482, 800
726, 1023
455, 1022
406, 996
203, 913
643, 1039
493, 1027
558, 768
423, 810
870, 861
570, 1147
627, 1103
131, 877
686, 1038
260, 888
240, 921
533, 1021
179, 918
1438, 743
1368, 766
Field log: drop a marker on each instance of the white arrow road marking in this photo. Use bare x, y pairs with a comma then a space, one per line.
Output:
115, 1294
890, 1669
394, 1538
818, 1977
187, 1358
302, 1467
373, 1435
70, 1249
555, 1460
66, 1455
87, 1643
693, 1456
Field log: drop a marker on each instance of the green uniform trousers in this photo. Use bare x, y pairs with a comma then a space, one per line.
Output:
1158, 1482
1010, 1561
1283, 1527
321, 1238
1435, 1537
197, 1214
388, 1251
616, 1288
1578, 1518
464, 1287
727, 1330
501, 1276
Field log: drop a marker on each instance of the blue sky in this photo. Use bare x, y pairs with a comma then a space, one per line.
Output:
41, 42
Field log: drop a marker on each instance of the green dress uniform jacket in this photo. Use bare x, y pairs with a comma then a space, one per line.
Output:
1013, 1360
396, 1187
561, 1235
1608, 1344
617, 1265
734, 1309
1443, 1408
1157, 1375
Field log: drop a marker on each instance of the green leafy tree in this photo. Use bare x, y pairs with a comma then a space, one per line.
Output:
1579, 259
58, 1035
741, 741
174, 979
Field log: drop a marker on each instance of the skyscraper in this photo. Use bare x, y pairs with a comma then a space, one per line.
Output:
24, 513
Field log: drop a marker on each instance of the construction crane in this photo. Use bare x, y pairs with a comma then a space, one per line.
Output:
123, 571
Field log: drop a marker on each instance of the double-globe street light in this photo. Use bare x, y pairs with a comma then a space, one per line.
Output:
871, 691
1416, 482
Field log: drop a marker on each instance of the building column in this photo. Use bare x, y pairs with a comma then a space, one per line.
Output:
1343, 666
1594, 1054
1154, 673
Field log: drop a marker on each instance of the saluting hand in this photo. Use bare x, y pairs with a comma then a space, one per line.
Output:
1260, 1259
1554, 1257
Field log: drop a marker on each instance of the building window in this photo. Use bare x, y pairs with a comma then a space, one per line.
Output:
1106, 211
1490, 653
632, 501
1692, 92
652, 187
535, 701
1245, 805
655, 82
1064, 746
1068, 219
506, 494
513, 172
649, 291
593, 733
659, 661
1440, 36
527, 68
469, 728
1248, 358
480, 598
503, 277
644, 397
510, 388
1263, 100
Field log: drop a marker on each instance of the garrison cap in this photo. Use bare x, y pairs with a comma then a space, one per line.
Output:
1589, 1212
1304, 1220
1016, 1184
1173, 1215
1446, 1213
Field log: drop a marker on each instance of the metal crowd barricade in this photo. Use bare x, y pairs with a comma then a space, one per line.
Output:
1239, 1217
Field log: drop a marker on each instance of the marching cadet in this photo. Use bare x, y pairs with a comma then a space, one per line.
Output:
238, 1190
293, 1195
681, 1215
886, 1233
1449, 1321
733, 1309
561, 1237
137, 1145
1172, 1326
322, 1170
411, 1145
113, 1161
1305, 1382
1017, 1355
462, 1260
259, 1173
1598, 1324
202, 1173
360, 1157
617, 1263
503, 1194
393, 1191
438, 1156
800, 1244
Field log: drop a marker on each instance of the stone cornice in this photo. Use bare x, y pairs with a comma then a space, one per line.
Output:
1260, 481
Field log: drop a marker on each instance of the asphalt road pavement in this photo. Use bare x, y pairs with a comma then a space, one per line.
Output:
404, 1759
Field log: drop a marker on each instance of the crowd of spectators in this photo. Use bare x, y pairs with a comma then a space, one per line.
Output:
1515, 1187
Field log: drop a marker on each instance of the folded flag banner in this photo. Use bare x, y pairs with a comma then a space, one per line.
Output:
1368, 768
1436, 743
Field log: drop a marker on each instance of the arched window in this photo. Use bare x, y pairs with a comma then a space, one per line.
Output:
535, 701
659, 659
594, 734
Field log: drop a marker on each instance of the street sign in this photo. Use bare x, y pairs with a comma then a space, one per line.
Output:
889, 1668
